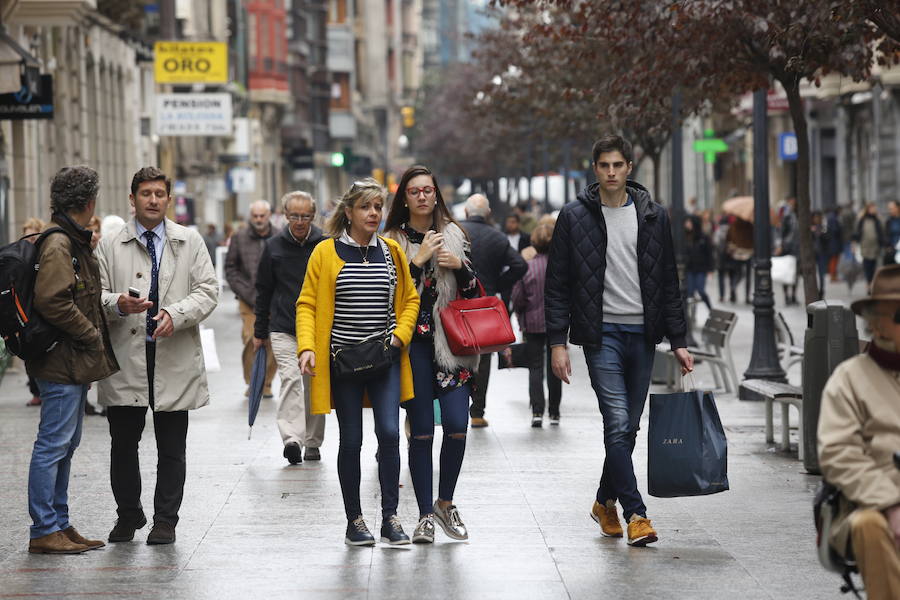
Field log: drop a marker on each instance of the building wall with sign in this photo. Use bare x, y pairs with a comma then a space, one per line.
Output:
99, 99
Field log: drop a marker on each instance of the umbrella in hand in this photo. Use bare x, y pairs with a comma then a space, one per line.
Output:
257, 381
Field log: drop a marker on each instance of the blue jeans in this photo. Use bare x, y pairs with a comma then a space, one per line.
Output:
696, 283
454, 421
59, 433
620, 370
384, 395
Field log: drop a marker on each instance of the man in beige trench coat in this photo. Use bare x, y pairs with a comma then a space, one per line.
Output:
156, 338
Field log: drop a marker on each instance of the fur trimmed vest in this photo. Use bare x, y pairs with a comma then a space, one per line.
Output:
456, 242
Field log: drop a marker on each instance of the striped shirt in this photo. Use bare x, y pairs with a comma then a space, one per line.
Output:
362, 294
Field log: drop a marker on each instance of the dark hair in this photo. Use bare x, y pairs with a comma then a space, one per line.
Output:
73, 188
399, 213
514, 216
541, 238
146, 174
612, 143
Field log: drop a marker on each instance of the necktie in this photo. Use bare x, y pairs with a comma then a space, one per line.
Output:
154, 282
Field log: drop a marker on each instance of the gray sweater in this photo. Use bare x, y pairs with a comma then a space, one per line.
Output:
622, 286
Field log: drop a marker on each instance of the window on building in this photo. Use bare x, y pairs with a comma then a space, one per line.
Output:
252, 38
340, 91
337, 11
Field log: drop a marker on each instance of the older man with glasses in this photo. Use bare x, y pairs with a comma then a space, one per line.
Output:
279, 278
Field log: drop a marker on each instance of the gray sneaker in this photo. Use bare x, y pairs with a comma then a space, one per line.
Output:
450, 522
424, 531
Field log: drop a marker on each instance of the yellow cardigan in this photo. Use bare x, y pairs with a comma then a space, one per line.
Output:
315, 316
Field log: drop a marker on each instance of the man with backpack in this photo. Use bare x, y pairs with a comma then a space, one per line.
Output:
67, 297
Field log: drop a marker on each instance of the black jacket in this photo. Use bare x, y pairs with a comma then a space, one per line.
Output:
573, 293
490, 253
698, 252
279, 278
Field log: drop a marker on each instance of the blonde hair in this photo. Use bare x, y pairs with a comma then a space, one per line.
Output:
34, 224
365, 189
541, 237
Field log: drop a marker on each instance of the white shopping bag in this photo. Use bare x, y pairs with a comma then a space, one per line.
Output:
784, 269
210, 355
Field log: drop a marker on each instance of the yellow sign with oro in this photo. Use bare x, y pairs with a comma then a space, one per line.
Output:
190, 62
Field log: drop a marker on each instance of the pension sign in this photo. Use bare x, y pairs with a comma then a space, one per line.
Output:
190, 62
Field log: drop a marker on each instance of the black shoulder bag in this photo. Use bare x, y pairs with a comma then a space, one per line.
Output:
373, 357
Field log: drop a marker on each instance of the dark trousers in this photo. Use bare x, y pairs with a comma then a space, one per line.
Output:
126, 424
538, 358
454, 422
384, 395
869, 267
479, 394
696, 284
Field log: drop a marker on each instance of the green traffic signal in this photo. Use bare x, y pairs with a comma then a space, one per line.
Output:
337, 159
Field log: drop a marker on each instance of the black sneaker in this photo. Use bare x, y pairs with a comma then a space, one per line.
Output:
293, 453
554, 419
537, 420
312, 454
123, 531
358, 534
392, 532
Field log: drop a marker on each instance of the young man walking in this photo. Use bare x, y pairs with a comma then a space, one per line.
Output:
156, 337
612, 287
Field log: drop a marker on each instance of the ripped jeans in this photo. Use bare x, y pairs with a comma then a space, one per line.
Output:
454, 422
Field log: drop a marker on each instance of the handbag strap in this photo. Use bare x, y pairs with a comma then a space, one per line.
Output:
392, 276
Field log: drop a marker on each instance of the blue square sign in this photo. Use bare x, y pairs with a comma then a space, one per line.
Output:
787, 146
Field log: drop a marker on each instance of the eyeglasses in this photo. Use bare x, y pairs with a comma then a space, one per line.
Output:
293, 218
415, 191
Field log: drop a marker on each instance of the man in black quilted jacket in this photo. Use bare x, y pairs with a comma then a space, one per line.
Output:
612, 287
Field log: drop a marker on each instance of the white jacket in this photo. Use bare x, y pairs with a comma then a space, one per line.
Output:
188, 291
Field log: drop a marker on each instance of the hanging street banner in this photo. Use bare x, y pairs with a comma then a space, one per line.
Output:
193, 114
25, 104
190, 62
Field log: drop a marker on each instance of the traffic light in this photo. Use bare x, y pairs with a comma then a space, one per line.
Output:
337, 159
409, 116
378, 175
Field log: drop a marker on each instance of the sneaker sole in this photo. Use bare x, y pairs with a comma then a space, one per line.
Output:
641, 542
385, 540
603, 533
422, 540
363, 543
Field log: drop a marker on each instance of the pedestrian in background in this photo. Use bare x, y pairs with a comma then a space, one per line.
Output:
528, 302
892, 233
212, 239
858, 434
724, 265
518, 239
32, 227
834, 241
821, 248
498, 267
529, 252
871, 240
344, 302
789, 245
94, 227
698, 259
241, 263
527, 220
156, 337
282, 269
67, 295
612, 287
438, 249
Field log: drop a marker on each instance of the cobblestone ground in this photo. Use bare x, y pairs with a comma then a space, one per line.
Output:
253, 527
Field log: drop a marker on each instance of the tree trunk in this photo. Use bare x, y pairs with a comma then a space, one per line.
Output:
807, 262
657, 184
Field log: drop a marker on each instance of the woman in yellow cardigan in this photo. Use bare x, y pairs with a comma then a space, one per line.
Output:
345, 301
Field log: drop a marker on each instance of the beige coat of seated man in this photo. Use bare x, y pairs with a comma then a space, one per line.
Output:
859, 431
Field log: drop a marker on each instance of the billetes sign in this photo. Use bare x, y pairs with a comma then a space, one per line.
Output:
190, 62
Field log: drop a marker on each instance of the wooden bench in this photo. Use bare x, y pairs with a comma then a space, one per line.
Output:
785, 394
788, 352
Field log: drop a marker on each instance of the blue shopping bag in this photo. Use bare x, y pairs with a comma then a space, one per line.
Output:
688, 452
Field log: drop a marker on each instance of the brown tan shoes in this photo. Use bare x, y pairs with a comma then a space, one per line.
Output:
76, 537
55, 543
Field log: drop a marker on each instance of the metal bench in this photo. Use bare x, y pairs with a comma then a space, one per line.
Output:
715, 350
788, 352
785, 394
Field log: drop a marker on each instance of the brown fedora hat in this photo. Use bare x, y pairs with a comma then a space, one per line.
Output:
885, 286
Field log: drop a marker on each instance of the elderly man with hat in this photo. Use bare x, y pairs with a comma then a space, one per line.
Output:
859, 431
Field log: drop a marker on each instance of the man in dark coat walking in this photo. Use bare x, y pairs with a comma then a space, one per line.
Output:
612, 287
498, 267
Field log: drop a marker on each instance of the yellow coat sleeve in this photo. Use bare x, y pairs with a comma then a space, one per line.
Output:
306, 303
408, 313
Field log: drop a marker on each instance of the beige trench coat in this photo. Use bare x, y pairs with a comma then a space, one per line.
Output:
859, 431
188, 291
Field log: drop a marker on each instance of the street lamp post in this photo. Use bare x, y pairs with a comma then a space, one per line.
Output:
764, 358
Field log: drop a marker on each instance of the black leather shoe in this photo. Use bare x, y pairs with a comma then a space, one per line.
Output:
312, 454
124, 530
392, 532
293, 453
358, 534
162, 533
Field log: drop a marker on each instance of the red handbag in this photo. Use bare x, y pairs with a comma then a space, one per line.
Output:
477, 325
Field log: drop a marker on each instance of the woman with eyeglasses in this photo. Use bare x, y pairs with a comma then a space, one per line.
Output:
345, 305
439, 249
